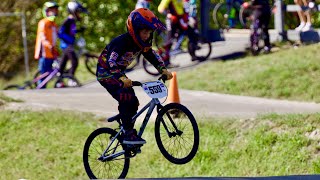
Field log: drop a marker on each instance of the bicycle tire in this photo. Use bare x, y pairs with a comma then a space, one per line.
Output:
91, 63
134, 63
176, 111
202, 52
67, 81
88, 161
12, 87
149, 68
219, 11
245, 17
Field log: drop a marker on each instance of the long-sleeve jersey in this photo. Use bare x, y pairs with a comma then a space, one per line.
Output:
119, 54
67, 33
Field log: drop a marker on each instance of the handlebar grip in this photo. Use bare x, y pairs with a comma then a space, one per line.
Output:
136, 83
163, 78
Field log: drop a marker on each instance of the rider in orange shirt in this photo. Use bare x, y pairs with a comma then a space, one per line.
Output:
45, 49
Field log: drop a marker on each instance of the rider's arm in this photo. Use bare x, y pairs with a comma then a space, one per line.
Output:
155, 59
113, 67
164, 4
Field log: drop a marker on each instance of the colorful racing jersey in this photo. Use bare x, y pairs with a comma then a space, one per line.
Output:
175, 7
67, 33
46, 39
119, 54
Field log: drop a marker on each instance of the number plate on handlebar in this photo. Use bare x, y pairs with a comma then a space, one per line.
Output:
155, 89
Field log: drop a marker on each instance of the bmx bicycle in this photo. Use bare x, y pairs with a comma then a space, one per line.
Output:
179, 45
59, 80
176, 133
221, 15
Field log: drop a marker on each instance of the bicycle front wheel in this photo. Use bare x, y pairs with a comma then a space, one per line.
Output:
110, 168
201, 51
177, 133
91, 63
245, 17
149, 68
219, 15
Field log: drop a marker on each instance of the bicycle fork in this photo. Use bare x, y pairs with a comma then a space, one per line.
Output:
171, 134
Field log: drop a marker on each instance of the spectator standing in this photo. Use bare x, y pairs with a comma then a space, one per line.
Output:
67, 35
262, 12
45, 48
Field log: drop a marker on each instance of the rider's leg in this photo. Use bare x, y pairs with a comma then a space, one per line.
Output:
128, 107
168, 41
64, 60
301, 15
74, 62
307, 15
265, 19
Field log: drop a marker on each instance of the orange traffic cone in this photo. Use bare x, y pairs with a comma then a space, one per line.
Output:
173, 93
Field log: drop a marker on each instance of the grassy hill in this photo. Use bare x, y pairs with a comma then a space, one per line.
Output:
292, 74
48, 145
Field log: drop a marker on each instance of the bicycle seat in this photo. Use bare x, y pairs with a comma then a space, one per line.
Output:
114, 118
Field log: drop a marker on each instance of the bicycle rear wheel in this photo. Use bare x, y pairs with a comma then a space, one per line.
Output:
177, 133
134, 63
149, 68
201, 51
66, 81
91, 63
95, 145
219, 12
245, 17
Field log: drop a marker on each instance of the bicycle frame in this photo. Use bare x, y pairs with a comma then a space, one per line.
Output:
150, 106
48, 78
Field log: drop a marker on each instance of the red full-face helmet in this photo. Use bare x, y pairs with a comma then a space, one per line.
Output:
143, 18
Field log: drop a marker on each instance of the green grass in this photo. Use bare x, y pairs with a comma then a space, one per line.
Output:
48, 145
292, 74
5, 99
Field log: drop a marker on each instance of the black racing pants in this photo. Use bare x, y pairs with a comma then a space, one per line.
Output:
128, 101
264, 15
69, 53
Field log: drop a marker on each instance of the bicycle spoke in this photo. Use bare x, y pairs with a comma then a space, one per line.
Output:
102, 167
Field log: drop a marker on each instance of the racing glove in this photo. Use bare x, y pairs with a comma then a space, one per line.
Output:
126, 82
167, 74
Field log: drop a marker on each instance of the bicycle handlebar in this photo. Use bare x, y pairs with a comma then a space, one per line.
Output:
137, 83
